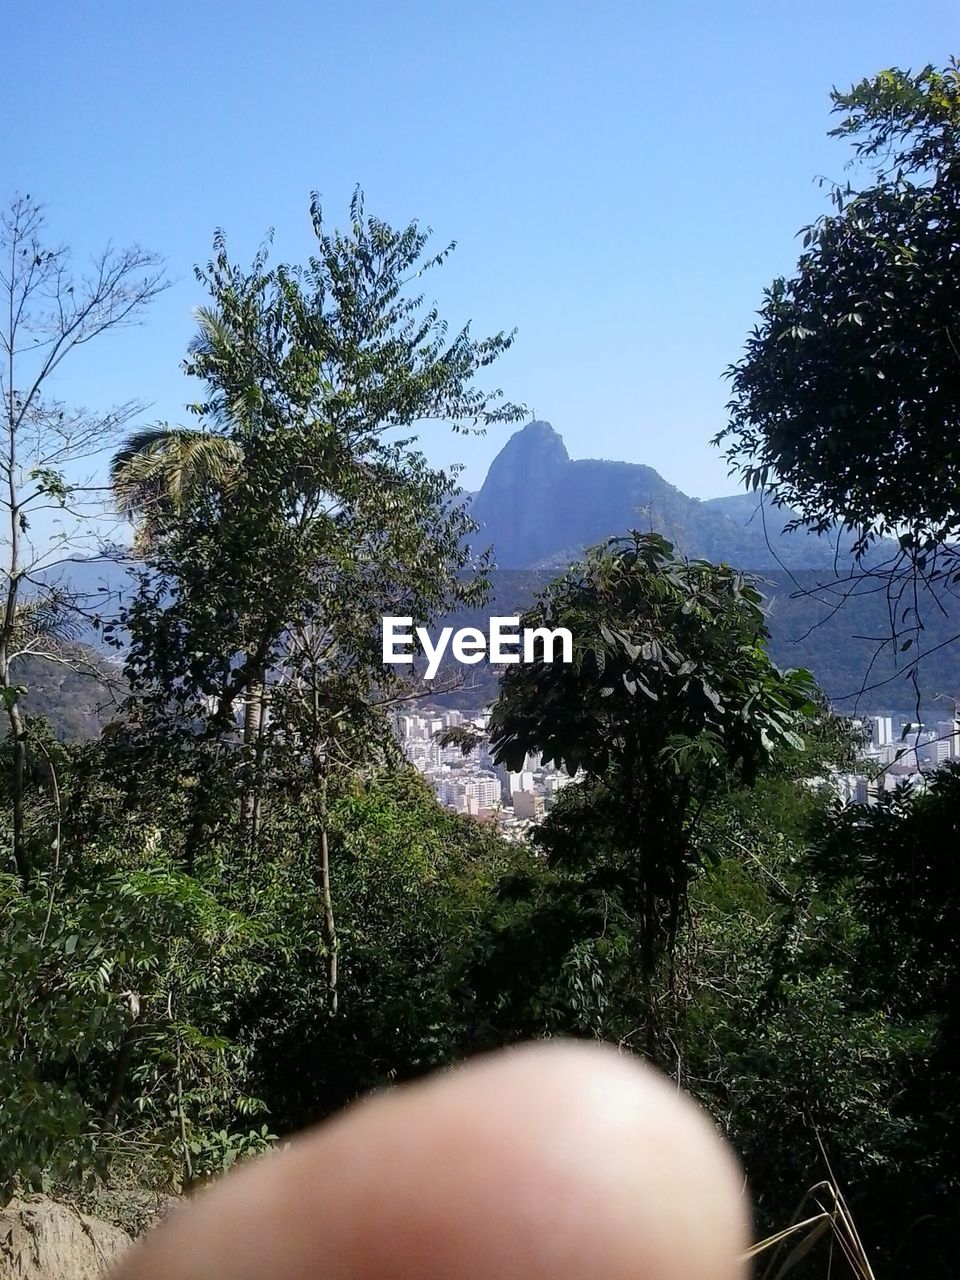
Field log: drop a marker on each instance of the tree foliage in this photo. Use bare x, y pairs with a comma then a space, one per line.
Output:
670, 696
845, 402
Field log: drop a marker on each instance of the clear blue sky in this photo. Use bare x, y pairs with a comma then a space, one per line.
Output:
622, 177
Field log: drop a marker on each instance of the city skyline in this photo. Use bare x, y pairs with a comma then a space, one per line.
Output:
894, 753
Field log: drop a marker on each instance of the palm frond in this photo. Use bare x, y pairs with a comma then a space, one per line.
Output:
160, 469
50, 617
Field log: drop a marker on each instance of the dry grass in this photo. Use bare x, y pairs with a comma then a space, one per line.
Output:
832, 1219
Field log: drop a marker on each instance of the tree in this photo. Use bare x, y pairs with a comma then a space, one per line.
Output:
669, 696
310, 373
48, 314
270, 589
116, 977
414, 880
845, 403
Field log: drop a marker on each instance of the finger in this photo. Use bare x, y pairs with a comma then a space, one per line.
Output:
553, 1162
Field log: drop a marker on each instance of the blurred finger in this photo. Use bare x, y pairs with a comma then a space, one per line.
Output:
551, 1162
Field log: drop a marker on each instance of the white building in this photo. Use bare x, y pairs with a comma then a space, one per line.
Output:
528, 805
521, 781
948, 731
485, 790
881, 731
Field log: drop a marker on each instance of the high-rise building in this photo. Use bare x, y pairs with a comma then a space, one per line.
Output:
881, 733
948, 731
865, 792
521, 781
485, 790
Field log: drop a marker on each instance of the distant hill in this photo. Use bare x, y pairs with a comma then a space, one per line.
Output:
78, 695
539, 508
840, 646
99, 585
81, 690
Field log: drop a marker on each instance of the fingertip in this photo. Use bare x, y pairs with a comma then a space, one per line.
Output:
632, 1162
563, 1160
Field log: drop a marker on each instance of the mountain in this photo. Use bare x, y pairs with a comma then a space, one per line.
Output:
539, 508
78, 695
80, 691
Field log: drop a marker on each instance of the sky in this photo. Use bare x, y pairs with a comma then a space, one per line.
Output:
622, 178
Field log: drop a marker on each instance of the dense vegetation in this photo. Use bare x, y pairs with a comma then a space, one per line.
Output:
237, 907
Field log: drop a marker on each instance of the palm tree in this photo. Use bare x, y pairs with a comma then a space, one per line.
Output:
160, 470
156, 474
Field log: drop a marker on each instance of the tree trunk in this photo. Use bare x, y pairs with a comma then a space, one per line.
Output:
21, 858
329, 923
18, 738
253, 708
18, 733
118, 1078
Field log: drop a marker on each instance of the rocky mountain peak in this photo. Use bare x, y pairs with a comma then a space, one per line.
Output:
537, 447
540, 507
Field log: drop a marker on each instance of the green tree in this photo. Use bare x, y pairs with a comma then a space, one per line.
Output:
821, 1026
118, 972
669, 698
268, 591
414, 884
845, 401
310, 373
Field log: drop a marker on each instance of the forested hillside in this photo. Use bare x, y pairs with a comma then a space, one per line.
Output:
847, 649
76, 696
